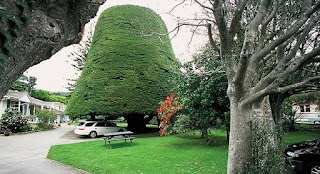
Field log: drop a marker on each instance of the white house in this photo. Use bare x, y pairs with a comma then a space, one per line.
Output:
307, 112
27, 105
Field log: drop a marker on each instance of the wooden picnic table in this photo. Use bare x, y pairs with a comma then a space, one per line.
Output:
113, 136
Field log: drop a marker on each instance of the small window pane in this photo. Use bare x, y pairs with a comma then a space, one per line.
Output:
307, 108
301, 108
89, 124
100, 124
110, 124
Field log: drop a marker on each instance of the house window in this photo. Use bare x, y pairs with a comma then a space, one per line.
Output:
14, 105
301, 108
307, 108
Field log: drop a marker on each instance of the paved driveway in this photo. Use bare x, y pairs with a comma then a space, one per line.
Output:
26, 154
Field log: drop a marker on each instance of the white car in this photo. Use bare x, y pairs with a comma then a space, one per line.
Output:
96, 128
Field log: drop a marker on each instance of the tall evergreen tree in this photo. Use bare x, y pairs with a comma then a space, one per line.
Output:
127, 69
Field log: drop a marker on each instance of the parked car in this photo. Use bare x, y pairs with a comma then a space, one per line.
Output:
96, 128
315, 120
304, 157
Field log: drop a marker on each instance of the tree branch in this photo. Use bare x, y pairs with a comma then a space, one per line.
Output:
203, 6
193, 32
302, 38
314, 60
276, 78
246, 67
177, 5
235, 22
290, 32
296, 85
265, 23
275, 73
177, 29
212, 42
225, 41
257, 94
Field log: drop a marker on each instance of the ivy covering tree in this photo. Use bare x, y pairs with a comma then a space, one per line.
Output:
127, 69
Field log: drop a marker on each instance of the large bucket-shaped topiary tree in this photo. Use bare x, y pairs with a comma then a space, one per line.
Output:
128, 68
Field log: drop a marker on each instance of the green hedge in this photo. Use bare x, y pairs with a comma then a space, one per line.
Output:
129, 65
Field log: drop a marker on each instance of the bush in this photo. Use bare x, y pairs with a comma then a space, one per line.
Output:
45, 116
183, 124
33, 127
13, 121
26, 128
41, 127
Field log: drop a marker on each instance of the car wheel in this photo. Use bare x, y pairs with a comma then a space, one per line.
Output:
316, 122
313, 168
121, 130
93, 134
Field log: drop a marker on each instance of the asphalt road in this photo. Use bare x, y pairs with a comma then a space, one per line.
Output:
26, 154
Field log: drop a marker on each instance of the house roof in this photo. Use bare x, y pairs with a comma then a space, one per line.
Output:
37, 101
22, 96
15, 94
18, 95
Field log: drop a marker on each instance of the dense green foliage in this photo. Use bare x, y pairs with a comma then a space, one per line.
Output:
203, 91
24, 83
12, 121
128, 65
45, 118
48, 96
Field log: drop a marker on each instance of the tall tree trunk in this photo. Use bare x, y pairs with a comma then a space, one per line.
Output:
253, 139
276, 101
52, 26
239, 143
137, 122
205, 134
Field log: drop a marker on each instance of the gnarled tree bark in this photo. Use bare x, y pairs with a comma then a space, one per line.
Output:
53, 25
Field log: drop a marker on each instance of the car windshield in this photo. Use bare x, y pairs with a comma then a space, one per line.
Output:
81, 123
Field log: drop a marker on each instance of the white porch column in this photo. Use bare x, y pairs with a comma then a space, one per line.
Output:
34, 109
19, 104
28, 109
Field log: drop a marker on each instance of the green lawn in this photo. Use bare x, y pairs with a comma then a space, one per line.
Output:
184, 153
294, 137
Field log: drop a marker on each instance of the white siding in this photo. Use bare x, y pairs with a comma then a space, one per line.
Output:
25, 98
304, 116
3, 107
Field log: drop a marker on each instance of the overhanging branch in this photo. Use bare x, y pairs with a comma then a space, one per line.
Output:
301, 84
290, 32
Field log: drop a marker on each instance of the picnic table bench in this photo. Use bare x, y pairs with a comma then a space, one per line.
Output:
114, 136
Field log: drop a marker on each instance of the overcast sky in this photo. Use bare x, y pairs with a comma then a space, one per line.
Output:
52, 74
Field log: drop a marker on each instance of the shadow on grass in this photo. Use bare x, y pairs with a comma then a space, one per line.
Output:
196, 140
117, 145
